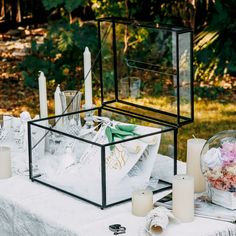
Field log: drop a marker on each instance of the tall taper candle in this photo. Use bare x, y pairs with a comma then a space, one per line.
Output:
194, 148
57, 101
5, 162
43, 95
183, 197
88, 79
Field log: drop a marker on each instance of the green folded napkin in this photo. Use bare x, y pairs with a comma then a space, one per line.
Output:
119, 131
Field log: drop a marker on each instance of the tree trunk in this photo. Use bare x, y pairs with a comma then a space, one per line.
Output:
18, 12
70, 17
193, 15
126, 36
2, 9
13, 11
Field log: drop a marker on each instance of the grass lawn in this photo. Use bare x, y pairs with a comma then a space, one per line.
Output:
211, 117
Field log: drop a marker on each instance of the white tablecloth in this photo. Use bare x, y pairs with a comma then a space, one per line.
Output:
28, 208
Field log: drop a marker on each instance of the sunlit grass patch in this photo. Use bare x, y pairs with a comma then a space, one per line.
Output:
211, 117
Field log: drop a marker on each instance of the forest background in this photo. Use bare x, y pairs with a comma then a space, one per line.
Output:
52, 34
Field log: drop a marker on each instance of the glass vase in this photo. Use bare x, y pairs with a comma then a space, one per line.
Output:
218, 165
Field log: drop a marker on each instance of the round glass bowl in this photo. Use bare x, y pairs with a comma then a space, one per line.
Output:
218, 165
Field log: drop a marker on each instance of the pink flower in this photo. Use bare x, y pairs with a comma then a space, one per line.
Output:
225, 181
220, 166
228, 152
220, 184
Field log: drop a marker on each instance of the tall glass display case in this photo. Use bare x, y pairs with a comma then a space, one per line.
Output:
104, 153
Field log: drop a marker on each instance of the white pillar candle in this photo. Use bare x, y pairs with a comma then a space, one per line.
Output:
194, 148
43, 95
5, 162
183, 198
88, 79
142, 202
57, 101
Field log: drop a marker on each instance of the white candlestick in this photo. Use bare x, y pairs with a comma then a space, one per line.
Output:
5, 162
142, 202
194, 148
88, 79
57, 101
183, 197
43, 95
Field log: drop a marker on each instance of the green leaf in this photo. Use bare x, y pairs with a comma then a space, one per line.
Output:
121, 132
110, 137
128, 128
119, 136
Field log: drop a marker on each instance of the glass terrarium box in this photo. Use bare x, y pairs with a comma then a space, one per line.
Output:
103, 163
142, 79
146, 66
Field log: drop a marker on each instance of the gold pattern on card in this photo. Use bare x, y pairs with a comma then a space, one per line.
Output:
117, 158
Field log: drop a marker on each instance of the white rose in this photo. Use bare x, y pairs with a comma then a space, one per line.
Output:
212, 158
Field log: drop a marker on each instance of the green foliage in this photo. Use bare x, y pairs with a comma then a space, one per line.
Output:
158, 88
211, 93
215, 50
49, 4
61, 54
108, 81
109, 8
173, 12
68, 5
60, 57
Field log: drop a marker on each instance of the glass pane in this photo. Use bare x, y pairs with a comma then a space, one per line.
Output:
67, 163
139, 67
185, 72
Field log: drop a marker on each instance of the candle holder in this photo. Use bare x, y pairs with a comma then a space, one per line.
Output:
70, 101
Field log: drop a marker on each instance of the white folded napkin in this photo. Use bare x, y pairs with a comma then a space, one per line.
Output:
157, 220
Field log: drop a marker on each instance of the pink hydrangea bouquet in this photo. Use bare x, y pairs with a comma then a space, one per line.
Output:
219, 165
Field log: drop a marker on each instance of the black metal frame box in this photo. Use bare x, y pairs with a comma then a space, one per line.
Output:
162, 58
164, 72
